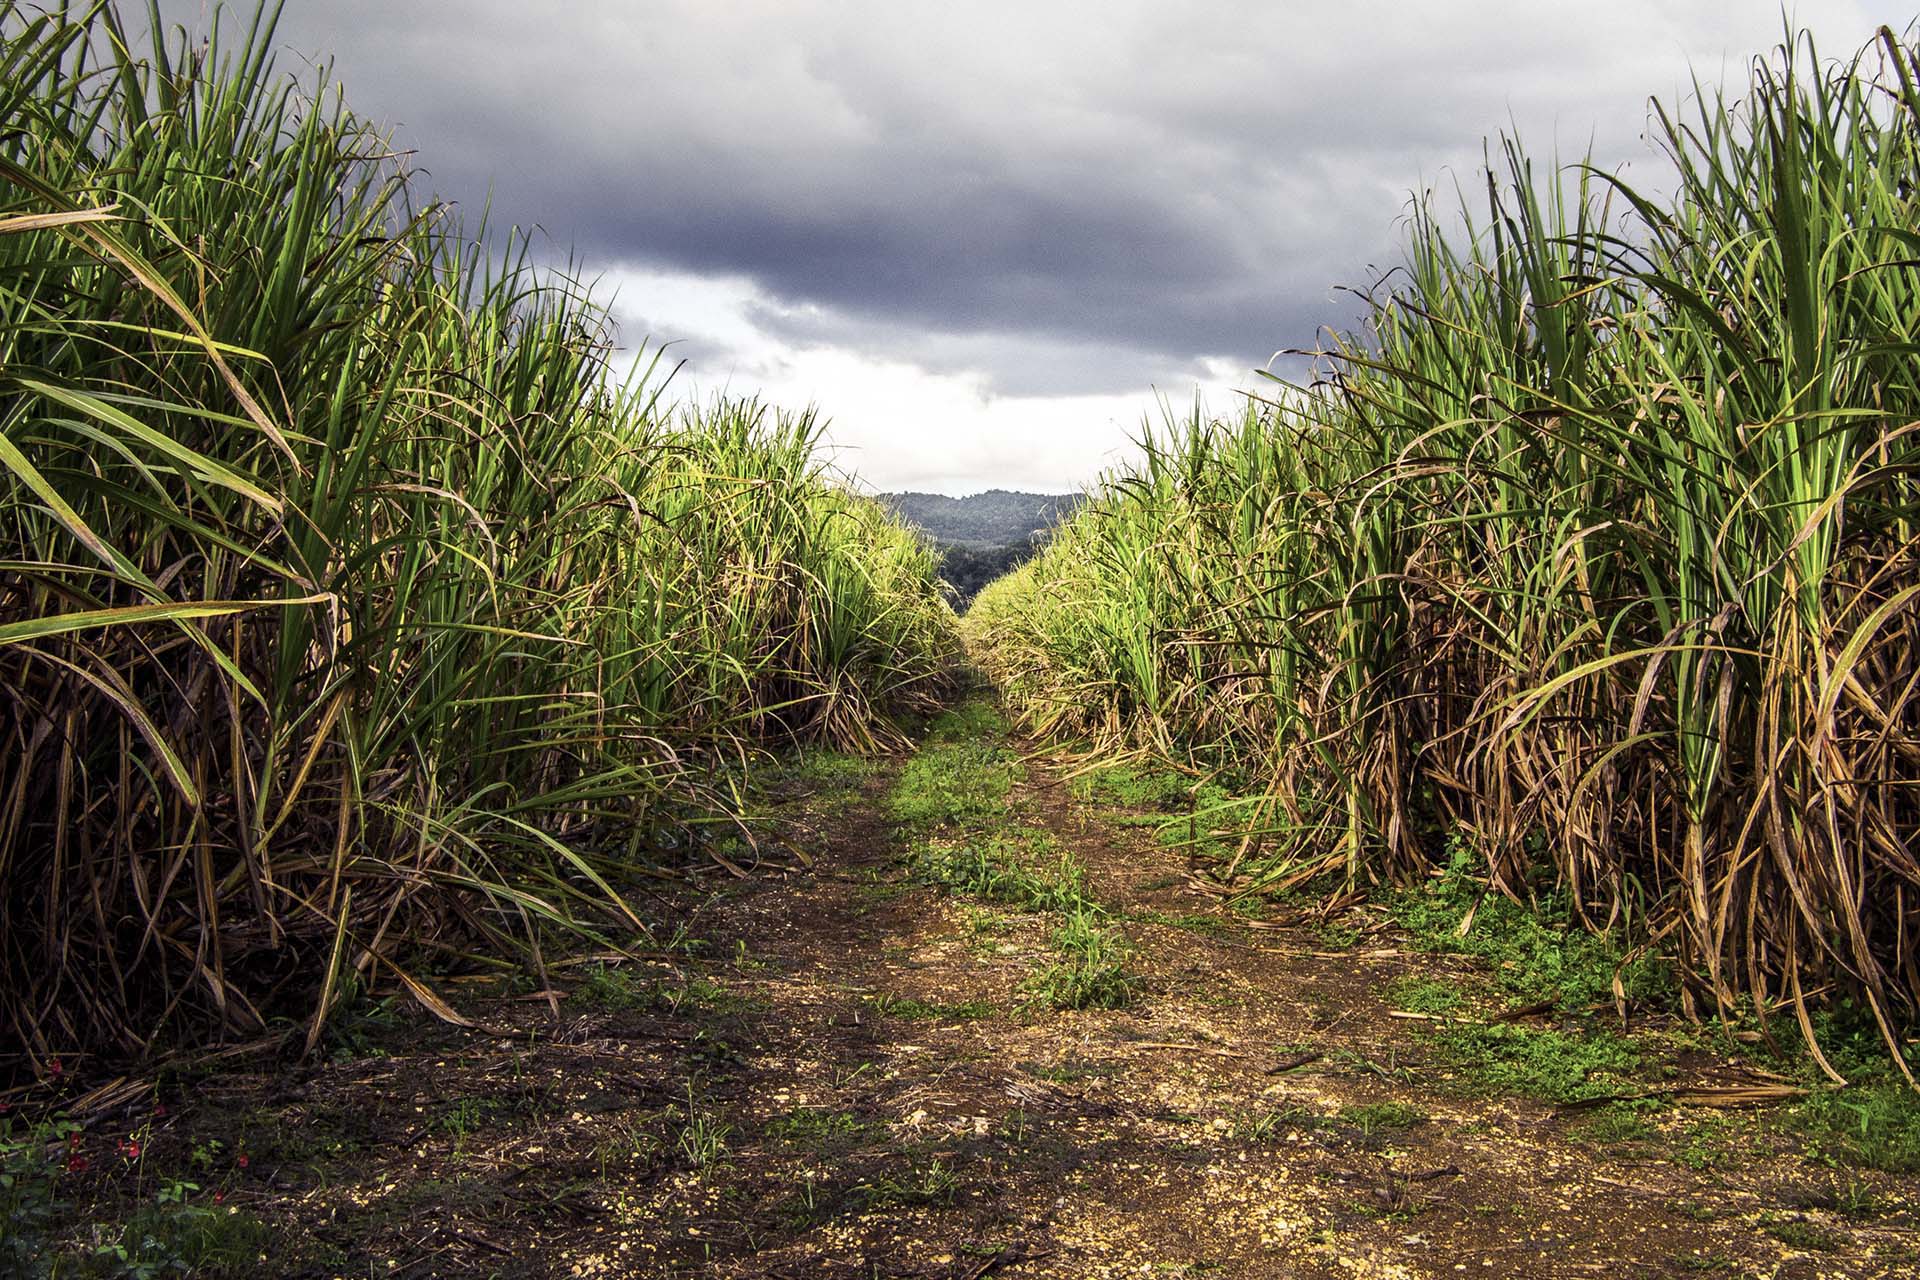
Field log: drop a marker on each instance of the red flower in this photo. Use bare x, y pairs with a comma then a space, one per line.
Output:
241, 1160
73, 1142
55, 1068
129, 1150
160, 1108
219, 1197
76, 1164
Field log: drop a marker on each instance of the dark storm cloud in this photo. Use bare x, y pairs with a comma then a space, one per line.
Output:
951, 183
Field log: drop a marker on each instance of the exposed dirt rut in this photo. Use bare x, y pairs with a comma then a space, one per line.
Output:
851, 1076
1255, 1111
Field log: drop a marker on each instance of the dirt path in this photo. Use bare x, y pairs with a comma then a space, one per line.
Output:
841, 1070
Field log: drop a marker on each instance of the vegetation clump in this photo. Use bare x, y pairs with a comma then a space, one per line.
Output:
1593, 543
1535, 951
351, 600
1874, 1123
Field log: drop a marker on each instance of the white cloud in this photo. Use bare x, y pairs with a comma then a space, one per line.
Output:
894, 424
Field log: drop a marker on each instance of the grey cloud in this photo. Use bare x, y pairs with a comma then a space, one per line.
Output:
950, 183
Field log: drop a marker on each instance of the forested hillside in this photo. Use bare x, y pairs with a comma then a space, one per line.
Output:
997, 517
984, 536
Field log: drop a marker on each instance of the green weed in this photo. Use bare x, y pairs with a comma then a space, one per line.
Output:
1266, 1125
1873, 1124
179, 1236
29, 1191
972, 719
1713, 1141
1075, 1071
614, 988
703, 1135
1210, 926
1091, 970
824, 770
1023, 867
626, 1142
1533, 952
463, 1119
1136, 787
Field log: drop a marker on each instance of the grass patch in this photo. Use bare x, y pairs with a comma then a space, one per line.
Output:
820, 772
705, 995
703, 1134
364, 1028
964, 783
1392, 1070
1615, 1126
626, 1142
1268, 1125
971, 719
930, 1010
174, 1237
983, 922
615, 988
1136, 787
952, 784
932, 1183
1374, 1117
1331, 936
1425, 995
1553, 1066
1874, 1124
1535, 952
464, 1117
1713, 1142
1074, 1071
1798, 1233
29, 1190
823, 768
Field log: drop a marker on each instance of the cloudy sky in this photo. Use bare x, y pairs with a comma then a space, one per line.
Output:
986, 238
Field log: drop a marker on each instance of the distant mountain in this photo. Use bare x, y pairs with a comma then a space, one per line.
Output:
996, 518
985, 535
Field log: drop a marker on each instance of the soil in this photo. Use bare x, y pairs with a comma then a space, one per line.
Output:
833, 1070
